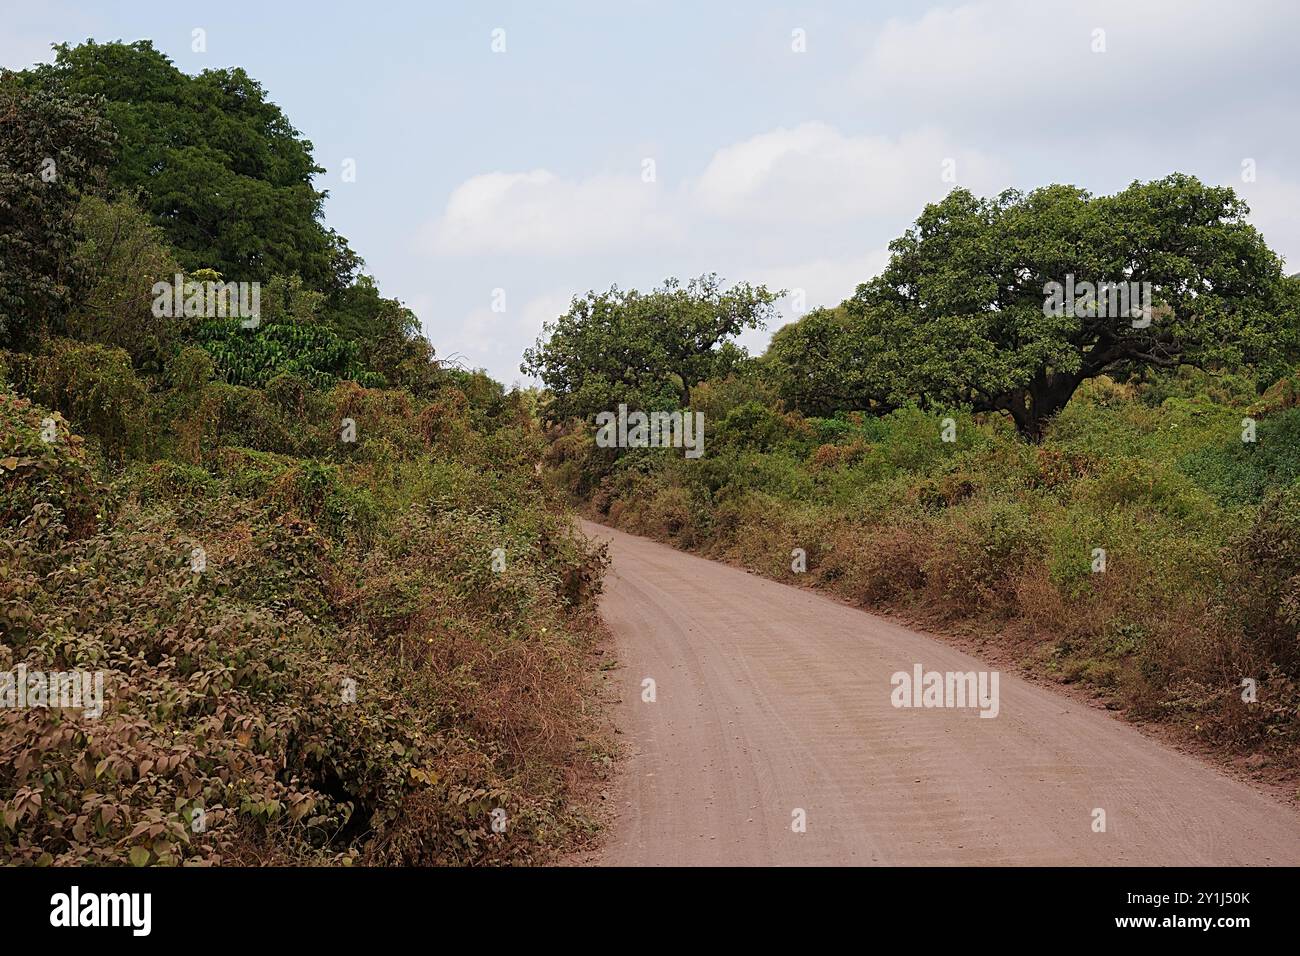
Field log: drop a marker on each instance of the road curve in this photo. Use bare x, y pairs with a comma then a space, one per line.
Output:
771, 699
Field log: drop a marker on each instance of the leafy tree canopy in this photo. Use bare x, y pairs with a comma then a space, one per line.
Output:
958, 316
387, 335
53, 147
646, 349
225, 185
218, 166
122, 254
815, 364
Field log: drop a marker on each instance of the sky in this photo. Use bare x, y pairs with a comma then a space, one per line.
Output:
509, 156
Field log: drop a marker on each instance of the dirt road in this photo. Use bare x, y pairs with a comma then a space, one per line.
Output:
770, 700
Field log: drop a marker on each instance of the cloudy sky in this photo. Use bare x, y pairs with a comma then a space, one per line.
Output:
621, 143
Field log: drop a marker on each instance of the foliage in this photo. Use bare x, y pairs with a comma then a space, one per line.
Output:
818, 366
1239, 472
34, 471
219, 168
958, 315
1265, 585
122, 255
223, 688
53, 147
387, 336
253, 357
205, 163
97, 391
645, 349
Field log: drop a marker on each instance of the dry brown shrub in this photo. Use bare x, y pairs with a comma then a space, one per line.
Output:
878, 566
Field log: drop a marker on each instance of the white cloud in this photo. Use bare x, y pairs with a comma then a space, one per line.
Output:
495, 340
815, 174
811, 175
825, 282
1019, 66
540, 213
777, 209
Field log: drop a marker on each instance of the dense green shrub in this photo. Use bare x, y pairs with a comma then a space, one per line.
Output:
252, 357
756, 426
36, 471
121, 255
1239, 472
224, 686
1264, 586
980, 553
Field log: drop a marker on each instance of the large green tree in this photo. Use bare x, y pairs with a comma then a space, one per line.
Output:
647, 349
53, 148
959, 316
218, 166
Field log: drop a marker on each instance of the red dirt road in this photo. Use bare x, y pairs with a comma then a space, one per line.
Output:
772, 699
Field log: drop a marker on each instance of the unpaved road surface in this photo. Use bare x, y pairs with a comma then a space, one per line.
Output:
772, 699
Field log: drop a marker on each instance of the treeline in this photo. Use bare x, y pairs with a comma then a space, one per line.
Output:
121, 171
970, 312
337, 616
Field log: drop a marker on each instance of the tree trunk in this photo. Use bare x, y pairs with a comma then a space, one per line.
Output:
1048, 394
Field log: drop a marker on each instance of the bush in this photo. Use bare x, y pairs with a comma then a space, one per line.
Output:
224, 686
123, 255
1263, 590
34, 472
211, 707
1138, 483
980, 553
758, 427
252, 357
97, 390
1239, 472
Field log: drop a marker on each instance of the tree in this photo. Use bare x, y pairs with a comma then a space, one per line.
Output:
387, 335
961, 315
53, 147
226, 180
217, 166
816, 367
122, 254
645, 349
